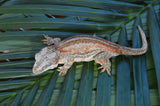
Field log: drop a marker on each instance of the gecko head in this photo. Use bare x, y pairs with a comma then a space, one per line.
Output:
46, 59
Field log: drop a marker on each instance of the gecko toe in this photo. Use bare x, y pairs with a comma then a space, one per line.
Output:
100, 67
44, 40
102, 70
45, 36
45, 43
62, 71
109, 71
106, 68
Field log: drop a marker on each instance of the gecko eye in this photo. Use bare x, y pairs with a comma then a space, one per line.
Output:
48, 64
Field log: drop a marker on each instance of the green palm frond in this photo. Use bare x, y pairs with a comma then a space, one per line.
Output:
123, 73
135, 80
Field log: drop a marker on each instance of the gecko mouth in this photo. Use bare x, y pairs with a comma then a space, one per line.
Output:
35, 70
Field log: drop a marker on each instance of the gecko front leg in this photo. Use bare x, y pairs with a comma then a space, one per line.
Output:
63, 69
103, 59
49, 40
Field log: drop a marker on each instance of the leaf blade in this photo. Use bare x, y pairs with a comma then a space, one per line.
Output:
154, 30
123, 74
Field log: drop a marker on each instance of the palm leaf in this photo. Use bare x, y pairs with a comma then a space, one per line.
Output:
67, 88
22, 24
103, 96
140, 71
123, 74
155, 41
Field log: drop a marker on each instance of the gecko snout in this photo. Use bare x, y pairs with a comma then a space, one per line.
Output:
35, 71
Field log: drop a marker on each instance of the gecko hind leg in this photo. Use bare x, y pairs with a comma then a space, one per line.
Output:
105, 66
63, 69
103, 60
49, 40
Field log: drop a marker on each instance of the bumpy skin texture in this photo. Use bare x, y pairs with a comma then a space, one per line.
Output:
81, 48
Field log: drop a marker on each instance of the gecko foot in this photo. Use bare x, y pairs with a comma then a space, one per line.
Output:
46, 40
107, 68
49, 40
62, 71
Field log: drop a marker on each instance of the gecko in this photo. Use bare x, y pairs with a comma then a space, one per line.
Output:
81, 48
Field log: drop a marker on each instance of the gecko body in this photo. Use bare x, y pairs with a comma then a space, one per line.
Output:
81, 48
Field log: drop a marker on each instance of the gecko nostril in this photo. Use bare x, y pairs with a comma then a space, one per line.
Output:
35, 71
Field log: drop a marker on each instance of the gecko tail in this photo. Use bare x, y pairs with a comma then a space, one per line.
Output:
136, 51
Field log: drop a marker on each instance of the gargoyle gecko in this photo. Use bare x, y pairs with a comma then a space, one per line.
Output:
81, 48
